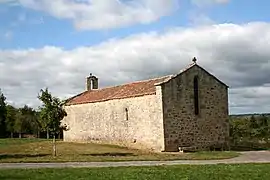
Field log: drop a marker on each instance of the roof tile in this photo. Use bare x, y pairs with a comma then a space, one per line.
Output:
135, 89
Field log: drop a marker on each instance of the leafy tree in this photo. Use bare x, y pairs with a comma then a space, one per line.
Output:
2, 115
43, 121
263, 128
52, 112
254, 127
259, 127
26, 121
30, 120
238, 129
10, 119
19, 122
250, 131
37, 125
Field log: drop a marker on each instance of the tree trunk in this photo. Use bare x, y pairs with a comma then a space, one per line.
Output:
11, 134
20, 135
54, 146
48, 134
38, 134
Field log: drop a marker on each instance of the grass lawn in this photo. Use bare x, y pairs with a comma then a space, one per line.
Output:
37, 150
183, 172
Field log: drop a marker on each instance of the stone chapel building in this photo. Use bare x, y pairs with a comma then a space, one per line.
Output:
189, 109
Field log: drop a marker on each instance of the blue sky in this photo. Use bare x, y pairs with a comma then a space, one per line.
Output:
57, 43
28, 28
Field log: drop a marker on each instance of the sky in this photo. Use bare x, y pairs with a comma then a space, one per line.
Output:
56, 44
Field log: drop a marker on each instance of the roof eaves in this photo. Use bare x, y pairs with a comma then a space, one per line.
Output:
108, 99
69, 99
214, 77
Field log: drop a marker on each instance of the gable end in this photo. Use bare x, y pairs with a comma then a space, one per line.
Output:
186, 70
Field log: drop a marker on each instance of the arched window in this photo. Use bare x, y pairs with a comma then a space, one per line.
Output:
196, 95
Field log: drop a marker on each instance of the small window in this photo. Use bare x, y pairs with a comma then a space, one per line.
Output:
196, 95
126, 111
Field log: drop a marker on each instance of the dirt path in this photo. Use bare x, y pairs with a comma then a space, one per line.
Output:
245, 157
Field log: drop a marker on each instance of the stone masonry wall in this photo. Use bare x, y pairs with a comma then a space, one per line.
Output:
181, 126
106, 122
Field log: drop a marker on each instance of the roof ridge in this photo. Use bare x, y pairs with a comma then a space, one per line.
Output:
134, 82
188, 66
152, 79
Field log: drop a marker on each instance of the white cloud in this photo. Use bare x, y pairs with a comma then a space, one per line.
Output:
104, 14
237, 54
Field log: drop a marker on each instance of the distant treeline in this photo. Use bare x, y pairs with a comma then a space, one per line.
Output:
21, 122
250, 130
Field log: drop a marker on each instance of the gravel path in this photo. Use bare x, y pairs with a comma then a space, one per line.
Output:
245, 157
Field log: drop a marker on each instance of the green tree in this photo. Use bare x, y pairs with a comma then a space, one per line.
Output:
37, 125
30, 120
2, 115
10, 119
43, 121
19, 123
52, 112
254, 128
238, 129
22, 120
263, 128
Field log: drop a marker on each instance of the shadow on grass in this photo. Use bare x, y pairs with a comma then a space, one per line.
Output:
18, 156
246, 148
109, 154
11, 177
250, 146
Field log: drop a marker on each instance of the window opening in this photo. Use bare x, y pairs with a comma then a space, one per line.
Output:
126, 110
196, 95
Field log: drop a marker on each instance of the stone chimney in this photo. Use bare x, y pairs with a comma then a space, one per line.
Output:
91, 82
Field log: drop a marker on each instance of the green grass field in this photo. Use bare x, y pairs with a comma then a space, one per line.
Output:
183, 172
37, 150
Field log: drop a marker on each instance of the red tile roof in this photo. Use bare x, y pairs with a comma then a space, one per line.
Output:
135, 89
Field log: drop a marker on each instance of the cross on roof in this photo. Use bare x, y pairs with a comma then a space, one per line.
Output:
194, 60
